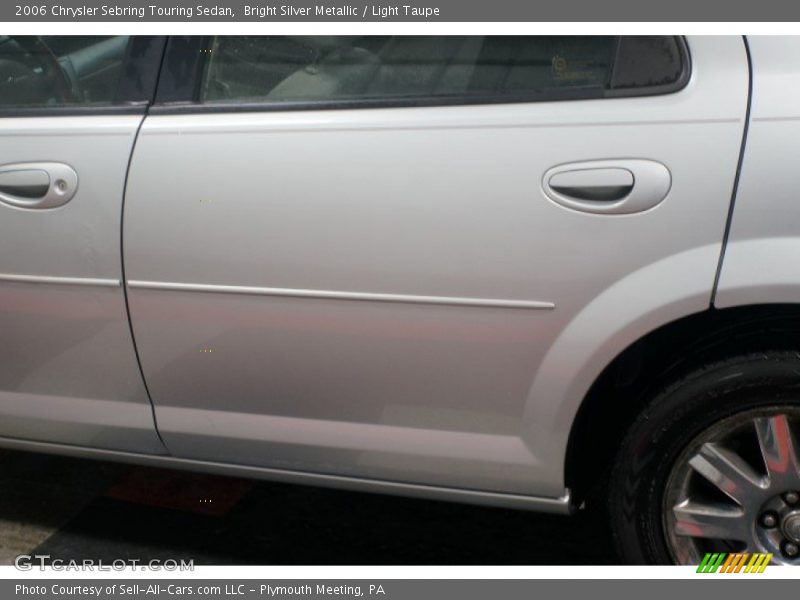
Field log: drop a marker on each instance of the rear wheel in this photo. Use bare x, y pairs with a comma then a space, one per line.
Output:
713, 465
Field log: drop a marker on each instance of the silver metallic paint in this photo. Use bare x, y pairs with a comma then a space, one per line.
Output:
334, 295
68, 372
62, 184
650, 181
761, 257
60, 280
420, 202
552, 505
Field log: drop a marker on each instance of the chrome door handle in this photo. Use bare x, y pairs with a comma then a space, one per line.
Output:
608, 186
37, 184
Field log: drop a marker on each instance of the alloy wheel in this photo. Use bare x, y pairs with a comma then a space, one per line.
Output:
736, 488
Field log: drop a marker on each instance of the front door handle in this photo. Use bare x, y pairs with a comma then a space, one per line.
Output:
37, 185
608, 186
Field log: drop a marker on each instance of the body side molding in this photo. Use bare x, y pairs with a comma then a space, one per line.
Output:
338, 295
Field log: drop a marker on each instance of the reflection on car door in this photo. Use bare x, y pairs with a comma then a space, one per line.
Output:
68, 371
349, 262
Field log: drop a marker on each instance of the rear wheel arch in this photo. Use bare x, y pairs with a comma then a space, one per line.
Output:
621, 391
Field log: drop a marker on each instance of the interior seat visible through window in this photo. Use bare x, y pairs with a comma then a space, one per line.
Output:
339, 69
450, 69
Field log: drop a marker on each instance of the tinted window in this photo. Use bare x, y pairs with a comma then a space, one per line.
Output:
53, 71
277, 69
646, 61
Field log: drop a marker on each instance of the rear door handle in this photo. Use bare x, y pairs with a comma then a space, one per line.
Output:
37, 185
608, 186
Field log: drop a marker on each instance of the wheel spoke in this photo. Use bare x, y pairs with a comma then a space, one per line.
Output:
710, 521
728, 472
778, 450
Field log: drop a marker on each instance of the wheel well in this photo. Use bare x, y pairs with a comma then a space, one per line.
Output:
625, 385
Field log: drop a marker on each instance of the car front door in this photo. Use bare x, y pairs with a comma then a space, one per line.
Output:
350, 255
70, 107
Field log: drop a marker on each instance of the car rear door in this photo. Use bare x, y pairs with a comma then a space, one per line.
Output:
70, 108
351, 256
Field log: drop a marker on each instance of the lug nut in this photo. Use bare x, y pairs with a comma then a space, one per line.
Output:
769, 520
791, 497
790, 549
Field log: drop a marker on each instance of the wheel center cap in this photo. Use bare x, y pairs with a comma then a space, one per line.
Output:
791, 526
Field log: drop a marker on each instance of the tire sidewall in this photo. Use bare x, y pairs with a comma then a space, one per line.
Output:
674, 418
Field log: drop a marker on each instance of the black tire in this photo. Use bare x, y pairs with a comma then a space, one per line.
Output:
670, 421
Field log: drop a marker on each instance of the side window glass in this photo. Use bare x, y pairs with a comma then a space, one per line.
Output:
455, 69
647, 62
56, 71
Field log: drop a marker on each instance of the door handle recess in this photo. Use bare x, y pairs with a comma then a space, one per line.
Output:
608, 186
599, 185
37, 185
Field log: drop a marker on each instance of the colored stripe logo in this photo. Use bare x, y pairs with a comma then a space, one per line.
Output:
740, 562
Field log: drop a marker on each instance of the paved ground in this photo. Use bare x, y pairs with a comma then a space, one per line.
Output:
75, 509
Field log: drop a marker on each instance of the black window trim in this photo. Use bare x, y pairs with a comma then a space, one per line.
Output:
142, 66
188, 55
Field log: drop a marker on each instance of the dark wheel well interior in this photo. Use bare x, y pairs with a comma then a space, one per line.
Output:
623, 388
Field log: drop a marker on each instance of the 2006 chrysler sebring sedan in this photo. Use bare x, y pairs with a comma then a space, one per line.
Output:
528, 272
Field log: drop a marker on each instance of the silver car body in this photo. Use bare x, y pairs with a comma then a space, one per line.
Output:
381, 299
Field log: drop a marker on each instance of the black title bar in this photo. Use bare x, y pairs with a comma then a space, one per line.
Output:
402, 11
